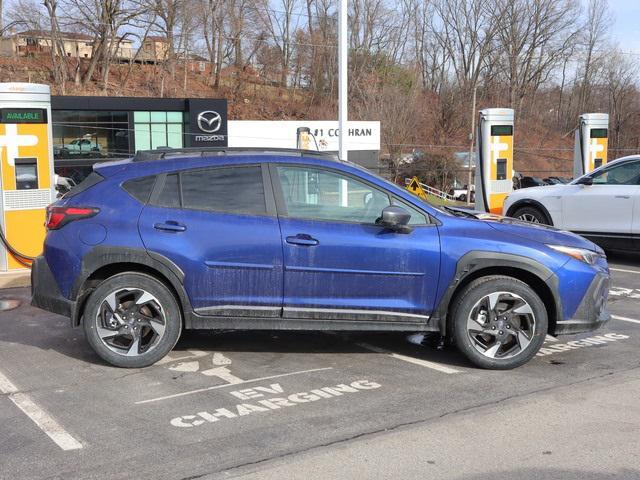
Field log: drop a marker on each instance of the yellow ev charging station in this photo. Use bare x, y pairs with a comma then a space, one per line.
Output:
590, 151
26, 171
494, 164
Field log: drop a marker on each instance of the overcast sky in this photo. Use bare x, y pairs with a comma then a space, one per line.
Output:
626, 27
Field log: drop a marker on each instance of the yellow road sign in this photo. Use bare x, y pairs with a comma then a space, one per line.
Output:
415, 188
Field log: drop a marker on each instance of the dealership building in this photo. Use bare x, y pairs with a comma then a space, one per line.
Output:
87, 130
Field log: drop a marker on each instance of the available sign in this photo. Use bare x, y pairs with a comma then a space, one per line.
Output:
23, 115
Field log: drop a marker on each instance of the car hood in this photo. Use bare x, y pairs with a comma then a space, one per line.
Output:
534, 231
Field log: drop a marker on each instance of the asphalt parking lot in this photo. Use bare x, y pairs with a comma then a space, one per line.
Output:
228, 404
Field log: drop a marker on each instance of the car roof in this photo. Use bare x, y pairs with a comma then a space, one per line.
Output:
182, 159
163, 153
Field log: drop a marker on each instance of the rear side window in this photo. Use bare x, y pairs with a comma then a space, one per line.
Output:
140, 188
92, 179
170, 193
232, 190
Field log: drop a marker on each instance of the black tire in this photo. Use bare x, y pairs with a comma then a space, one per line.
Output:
463, 197
465, 305
164, 305
531, 214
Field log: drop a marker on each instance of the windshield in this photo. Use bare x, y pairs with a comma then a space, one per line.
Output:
602, 172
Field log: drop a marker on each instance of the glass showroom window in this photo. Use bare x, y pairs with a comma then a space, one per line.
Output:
82, 138
158, 129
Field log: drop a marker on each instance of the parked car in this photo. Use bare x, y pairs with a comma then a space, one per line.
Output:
227, 239
63, 185
556, 180
602, 205
76, 147
460, 194
528, 182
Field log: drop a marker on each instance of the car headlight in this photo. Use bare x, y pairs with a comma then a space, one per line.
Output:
582, 254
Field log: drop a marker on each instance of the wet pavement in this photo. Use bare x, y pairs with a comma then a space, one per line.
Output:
224, 402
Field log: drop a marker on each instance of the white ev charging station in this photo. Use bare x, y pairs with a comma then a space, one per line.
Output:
494, 165
590, 150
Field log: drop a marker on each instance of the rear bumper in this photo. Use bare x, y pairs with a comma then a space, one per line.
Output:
592, 312
45, 293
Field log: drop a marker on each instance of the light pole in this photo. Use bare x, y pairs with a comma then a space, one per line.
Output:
343, 61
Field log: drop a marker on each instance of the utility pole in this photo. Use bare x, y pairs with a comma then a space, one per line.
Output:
343, 62
472, 137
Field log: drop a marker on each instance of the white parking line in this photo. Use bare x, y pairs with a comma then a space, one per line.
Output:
625, 319
226, 385
42, 419
623, 270
416, 361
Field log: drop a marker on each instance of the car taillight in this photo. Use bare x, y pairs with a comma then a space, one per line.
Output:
58, 217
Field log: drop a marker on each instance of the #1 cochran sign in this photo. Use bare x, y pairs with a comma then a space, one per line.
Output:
363, 136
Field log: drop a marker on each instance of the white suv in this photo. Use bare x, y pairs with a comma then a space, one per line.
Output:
603, 205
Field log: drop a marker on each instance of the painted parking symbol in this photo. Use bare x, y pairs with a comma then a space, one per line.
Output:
209, 365
624, 292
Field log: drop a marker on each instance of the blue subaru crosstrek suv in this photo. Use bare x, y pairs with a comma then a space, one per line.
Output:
241, 239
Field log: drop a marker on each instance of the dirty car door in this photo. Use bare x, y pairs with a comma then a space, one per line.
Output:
225, 239
340, 265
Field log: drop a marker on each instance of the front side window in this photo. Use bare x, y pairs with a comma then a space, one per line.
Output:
324, 195
625, 174
417, 217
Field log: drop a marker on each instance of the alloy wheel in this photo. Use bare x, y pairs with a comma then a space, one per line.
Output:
528, 217
501, 325
130, 322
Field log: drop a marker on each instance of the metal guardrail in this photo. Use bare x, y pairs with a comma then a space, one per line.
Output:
434, 191
437, 193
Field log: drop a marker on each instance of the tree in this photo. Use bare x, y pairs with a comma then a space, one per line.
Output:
280, 20
534, 35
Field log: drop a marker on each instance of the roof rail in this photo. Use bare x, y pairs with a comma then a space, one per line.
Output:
162, 153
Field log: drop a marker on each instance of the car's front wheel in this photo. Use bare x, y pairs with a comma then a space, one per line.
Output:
499, 322
132, 320
531, 215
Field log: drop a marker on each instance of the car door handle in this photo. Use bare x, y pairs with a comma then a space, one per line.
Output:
170, 226
622, 196
302, 239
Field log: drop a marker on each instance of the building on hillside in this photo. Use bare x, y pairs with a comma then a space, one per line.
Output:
76, 45
153, 49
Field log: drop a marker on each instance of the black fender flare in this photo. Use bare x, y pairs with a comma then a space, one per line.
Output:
101, 257
472, 262
532, 203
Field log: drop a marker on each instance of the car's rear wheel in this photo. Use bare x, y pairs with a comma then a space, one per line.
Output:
499, 322
132, 320
531, 215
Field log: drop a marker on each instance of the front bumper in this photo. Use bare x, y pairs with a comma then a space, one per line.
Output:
45, 293
592, 312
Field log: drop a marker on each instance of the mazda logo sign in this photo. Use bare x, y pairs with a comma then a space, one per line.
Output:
209, 121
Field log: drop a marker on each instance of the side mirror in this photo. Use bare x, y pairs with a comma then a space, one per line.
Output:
395, 218
585, 181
